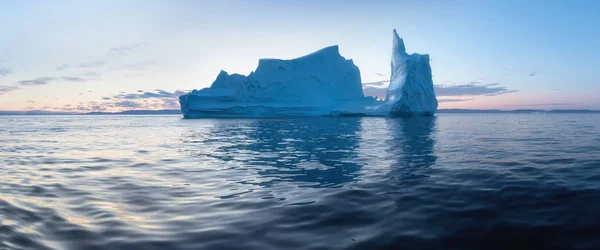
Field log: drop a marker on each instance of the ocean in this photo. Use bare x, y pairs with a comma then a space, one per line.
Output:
452, 181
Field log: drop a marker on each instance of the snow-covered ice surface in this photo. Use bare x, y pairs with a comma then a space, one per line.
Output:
318, 84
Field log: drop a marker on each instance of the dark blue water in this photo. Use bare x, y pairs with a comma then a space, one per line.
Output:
476, 181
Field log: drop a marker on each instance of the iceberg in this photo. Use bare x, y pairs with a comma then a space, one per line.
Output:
411, 89
322, 83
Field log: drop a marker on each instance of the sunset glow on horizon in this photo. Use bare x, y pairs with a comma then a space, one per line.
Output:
74, 56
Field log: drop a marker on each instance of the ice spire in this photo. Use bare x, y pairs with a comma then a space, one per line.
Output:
398, 43
411, 90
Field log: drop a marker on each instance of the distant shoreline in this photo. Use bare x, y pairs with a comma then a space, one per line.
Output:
178, 112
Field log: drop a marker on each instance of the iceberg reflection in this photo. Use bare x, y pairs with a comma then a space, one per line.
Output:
412, 143
316, 152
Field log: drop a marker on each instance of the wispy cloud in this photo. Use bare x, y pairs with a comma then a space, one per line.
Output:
375, 89
127, 104
37, 81
6, 89
380, 84
472, 89
156, 99
73, 79
47, 80
379, 89
136, 66
170, 104
127, 48
151, 100
454, 100
111, 60
532, 73
375, 92
158, 93
4, 71
91, 64
64, 66
539, 104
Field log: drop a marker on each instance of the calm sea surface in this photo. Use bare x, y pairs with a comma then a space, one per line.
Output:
454, 181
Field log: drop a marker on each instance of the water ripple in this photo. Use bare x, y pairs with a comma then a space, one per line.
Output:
465, 181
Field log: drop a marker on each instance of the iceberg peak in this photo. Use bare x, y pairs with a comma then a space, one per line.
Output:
333, 50
411, 89
227, 81
222, 73
398, 44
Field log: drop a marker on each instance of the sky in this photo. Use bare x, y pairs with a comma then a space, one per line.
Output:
82, 56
